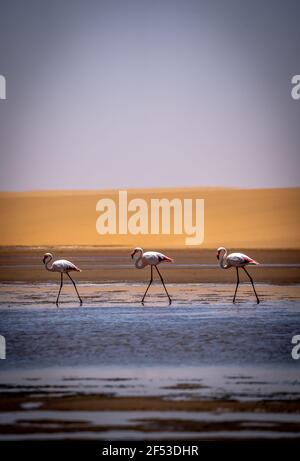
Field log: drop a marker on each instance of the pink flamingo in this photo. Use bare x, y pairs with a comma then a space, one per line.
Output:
152, 259
63, 266
236, 260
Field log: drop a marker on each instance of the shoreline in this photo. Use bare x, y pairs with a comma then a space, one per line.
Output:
120, 293
82, 402
114, 264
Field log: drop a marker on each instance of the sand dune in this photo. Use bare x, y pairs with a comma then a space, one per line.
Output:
260, 218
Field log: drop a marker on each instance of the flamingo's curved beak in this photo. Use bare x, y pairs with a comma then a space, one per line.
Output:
132, 254
218, 255
44, 259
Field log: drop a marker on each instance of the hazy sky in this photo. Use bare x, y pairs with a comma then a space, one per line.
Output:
149, 93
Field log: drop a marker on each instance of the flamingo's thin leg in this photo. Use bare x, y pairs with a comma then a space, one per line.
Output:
61, 284
251, 280
237, 283
162, 281
151, 280
74, 286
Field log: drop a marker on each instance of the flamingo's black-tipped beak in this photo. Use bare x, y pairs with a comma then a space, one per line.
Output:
44, 259
132, 254
218, 255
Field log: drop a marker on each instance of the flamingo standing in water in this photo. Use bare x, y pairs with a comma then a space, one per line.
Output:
152, 259
236, 260
63, 266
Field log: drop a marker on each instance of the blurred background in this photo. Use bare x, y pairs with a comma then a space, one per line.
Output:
120, 94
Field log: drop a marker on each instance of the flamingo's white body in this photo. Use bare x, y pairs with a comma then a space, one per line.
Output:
149, 258
237, 260
63, 266
152, 259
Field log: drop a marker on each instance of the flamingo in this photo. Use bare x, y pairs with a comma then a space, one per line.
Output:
63, 266
152, 259
236, 260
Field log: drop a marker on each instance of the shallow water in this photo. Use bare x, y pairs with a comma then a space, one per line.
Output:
249, 383
201, 347
202, 327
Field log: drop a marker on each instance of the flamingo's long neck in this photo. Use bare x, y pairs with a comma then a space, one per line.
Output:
139, 261
49, 268
223, 261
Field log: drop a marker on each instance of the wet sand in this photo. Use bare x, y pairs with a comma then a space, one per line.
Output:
115, 264
45, 413
154, 419
130, 294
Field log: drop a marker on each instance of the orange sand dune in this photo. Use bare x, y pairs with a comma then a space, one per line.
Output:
260, 218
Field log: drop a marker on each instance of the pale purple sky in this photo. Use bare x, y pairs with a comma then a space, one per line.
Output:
136, 93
